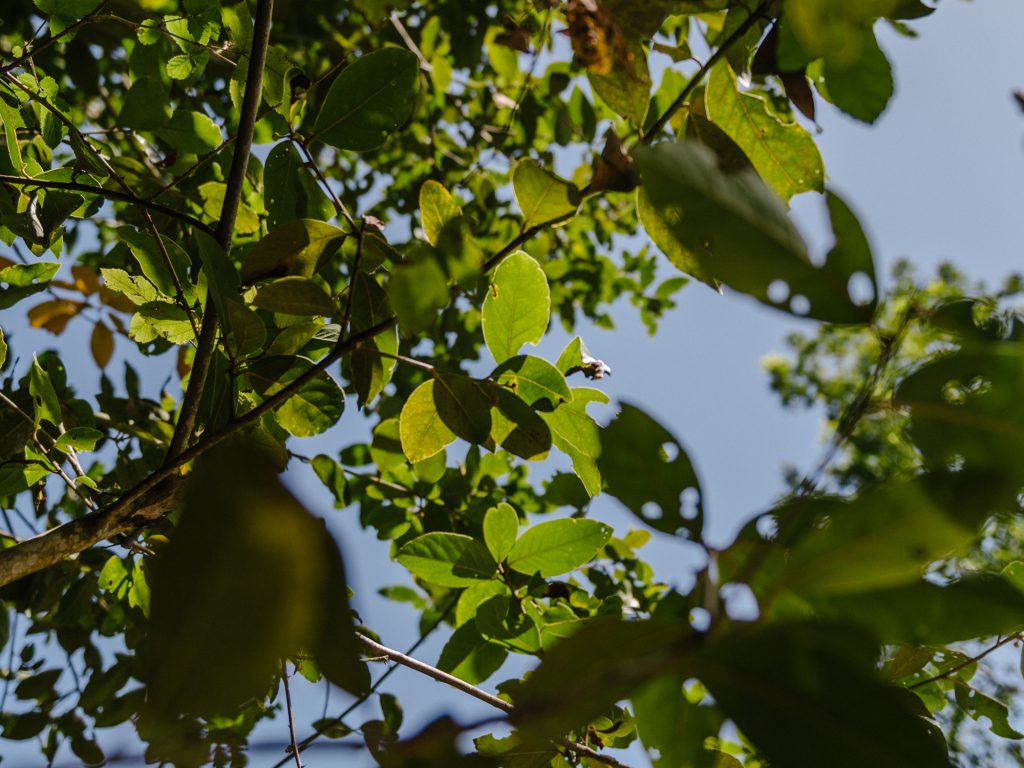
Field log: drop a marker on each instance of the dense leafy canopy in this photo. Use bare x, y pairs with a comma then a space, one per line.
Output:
328, 213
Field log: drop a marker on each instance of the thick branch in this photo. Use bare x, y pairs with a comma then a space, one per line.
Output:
157, 494
207, 344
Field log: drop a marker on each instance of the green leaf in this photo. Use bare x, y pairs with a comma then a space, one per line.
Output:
558, 546
966, 407
738, 230
670, 723
602, 663
660, 225
191, 132
869, 723
888, 536
246, 330
247, 221
153, 263
290, 190
515, 426
146, 106
23, 275
502, 620
501, 525
79, 439
295, 296
541, 195
475, 596
371, 371
249, 577
627, 88
437, 208
861, 90
534, 380
923, 613
161, 319
976, 704
298, 249
417, 290
469, 656
645, 467
447, 559
518, 306
315, 408
370, 99
71, 9
138, 289
576, 434
784, 154
423, 432
45, 404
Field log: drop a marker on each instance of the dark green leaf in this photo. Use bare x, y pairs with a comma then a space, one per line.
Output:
648, 470
295, 296
738, 231
777, 680
296, 248
370, 99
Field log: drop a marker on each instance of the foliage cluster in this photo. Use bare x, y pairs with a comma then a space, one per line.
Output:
322, 206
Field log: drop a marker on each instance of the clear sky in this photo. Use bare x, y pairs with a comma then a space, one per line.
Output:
939, 177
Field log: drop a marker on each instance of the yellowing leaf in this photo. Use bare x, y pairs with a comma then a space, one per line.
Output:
542, 196
437, 208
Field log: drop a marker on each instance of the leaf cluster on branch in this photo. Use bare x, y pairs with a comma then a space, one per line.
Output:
296, 216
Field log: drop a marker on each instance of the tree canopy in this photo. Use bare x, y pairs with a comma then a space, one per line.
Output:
345, 219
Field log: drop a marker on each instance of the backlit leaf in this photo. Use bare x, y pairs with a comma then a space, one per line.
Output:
517, 307
558, 546
447, 559
541, 195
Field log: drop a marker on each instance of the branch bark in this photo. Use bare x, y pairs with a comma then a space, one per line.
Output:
207, 344
476, 693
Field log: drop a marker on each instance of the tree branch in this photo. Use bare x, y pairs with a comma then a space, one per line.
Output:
698, 76
159, 493
207, 343
476, 693
109, 194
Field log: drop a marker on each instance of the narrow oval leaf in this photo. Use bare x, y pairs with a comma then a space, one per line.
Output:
369, 100
784, 154
558, 546
541, 195
448, 559
648, 470
78, 439
295, 296
501, 525
297, 248
518, 306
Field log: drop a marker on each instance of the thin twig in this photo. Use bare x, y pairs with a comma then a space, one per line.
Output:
207, 344
109, 194
477, 693
291, 714
694, 81
973, 660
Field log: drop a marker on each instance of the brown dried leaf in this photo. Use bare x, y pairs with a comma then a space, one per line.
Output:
596, 39
53, 314
86, 279
101, 344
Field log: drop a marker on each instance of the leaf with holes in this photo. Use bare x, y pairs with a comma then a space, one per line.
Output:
739, 231
645, 467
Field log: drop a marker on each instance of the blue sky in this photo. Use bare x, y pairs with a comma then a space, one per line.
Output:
939, 177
